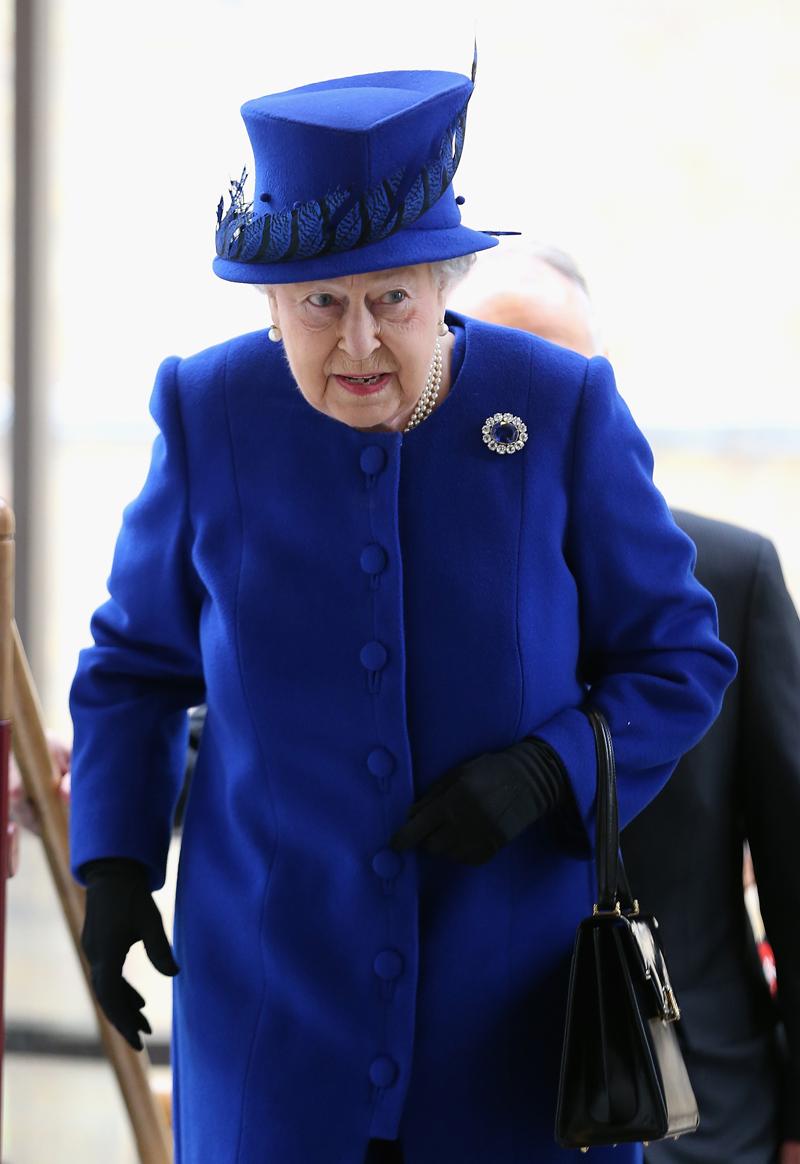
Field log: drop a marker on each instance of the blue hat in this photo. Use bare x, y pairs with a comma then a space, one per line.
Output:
352, 175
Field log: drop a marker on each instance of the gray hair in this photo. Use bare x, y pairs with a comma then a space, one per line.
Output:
447, 272
560, 261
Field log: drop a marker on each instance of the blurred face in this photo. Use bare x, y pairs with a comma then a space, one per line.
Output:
360, 346
550, 306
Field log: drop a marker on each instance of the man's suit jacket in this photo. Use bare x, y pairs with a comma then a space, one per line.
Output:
683, 855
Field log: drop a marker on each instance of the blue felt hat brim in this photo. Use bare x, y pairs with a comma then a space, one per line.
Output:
404, 249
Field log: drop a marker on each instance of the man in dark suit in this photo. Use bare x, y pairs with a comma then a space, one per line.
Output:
683, 854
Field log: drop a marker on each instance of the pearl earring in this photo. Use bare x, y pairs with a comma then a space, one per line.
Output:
275, 334
442, 329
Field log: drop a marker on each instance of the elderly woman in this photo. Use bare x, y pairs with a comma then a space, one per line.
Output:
392, 548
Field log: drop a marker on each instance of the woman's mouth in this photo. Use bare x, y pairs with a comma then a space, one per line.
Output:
364, 385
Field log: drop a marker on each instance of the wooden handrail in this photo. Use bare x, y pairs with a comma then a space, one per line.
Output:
40, 779
6, 712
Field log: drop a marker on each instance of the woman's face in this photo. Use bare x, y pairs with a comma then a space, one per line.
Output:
360, 346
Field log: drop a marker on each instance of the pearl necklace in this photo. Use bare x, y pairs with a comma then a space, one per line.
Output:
433, 383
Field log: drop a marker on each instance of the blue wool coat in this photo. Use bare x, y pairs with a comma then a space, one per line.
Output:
361, 611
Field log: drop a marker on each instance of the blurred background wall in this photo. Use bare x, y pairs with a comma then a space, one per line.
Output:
657, 142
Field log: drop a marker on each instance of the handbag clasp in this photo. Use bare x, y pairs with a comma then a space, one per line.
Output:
672, 1012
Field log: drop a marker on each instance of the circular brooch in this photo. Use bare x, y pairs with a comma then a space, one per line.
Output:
504, 432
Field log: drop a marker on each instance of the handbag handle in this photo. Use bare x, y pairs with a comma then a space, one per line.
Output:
608, 859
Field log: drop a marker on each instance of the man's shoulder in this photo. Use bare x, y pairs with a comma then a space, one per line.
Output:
722, 547
711, 531
730, 559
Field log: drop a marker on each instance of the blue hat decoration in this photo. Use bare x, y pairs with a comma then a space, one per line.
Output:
353, 174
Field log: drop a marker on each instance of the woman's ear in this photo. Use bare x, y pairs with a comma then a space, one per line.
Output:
441, 287
273, 305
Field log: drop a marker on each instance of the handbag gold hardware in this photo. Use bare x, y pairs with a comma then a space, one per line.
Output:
671, 1004
615, 912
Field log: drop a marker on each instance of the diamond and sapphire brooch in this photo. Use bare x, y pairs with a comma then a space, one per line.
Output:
504, 433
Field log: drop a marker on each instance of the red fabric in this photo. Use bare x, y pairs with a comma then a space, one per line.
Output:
768, 966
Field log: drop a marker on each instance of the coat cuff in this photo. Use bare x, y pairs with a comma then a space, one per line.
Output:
570, 735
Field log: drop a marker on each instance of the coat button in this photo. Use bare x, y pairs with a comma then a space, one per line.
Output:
388, 964
383, 1071
373, 459
373, 655
380, 762
373, 559
387, 863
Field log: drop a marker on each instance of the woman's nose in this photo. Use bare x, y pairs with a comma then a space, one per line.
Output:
358, 332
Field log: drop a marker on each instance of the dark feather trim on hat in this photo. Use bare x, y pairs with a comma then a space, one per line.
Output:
344, 219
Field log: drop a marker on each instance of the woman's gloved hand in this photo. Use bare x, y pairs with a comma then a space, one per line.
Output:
120, 911
478, 807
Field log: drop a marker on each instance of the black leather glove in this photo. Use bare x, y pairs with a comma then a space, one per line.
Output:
119, 912
478, 807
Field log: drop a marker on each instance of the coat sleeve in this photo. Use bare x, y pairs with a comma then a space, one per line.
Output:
129, 697
770, 777
650, 652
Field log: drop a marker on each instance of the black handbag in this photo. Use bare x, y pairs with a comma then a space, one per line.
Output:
623, 1077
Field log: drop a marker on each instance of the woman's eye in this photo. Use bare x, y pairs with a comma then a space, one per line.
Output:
321, 299
395, 296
